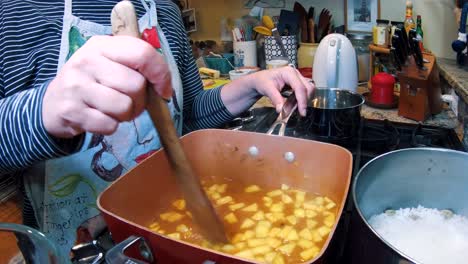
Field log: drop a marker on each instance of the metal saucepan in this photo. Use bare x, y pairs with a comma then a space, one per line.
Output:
333, 115
433, 178
131, 203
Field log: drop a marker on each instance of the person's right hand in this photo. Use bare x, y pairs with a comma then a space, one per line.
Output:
103, 84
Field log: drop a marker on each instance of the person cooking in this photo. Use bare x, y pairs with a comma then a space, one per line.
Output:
72, 101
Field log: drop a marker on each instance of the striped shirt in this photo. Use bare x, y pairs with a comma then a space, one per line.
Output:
30, 34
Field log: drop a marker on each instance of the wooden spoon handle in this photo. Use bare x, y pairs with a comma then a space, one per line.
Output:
124, 22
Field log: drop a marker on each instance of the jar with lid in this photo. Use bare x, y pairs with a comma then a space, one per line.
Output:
361, 42
381, 33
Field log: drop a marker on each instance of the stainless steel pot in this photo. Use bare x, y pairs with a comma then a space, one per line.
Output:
333, 115
433, 178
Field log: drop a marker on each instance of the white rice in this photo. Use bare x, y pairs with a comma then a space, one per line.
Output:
426, 235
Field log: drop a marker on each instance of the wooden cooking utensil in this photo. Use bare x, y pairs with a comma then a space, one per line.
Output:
300, 10
311, 28
124, 22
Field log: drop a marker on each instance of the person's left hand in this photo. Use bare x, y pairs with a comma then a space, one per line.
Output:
241, 93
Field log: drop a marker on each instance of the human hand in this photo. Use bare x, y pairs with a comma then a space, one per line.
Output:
102, 84
270, 83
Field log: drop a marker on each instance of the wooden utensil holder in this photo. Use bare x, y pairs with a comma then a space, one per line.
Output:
420, 94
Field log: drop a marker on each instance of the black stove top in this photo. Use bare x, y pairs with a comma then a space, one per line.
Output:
376, 137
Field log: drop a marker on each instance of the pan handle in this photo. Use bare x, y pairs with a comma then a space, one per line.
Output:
116, 255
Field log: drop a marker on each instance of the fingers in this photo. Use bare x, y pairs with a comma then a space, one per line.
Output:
292, 77
141, 56
123, 79
94, 121
117, 105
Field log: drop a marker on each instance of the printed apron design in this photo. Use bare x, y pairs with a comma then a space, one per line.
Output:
73, 183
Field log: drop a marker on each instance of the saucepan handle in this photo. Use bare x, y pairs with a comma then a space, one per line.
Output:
116, 255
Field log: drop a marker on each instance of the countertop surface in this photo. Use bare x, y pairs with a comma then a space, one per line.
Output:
456, 76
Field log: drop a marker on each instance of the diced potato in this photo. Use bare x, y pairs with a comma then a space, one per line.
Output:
310, 213
320, 208
274, 232
162, 231
221, 188
278, 259
277, 207
241, 245
319, 200
305, 244
224, 200
236, 206
182, 228
327, 200
252, 188
300, 197
316, 237
231, 218
247, 223
284, 187
270, 256
251, 208
267, 201
309, 253
292, 219
179, 204
287, 249
174, 235
154, 226
273, 242
213, 188
271, 217
310, 205
261, 250
189, 214
278, 215
237, 238
258, 216
249, 234
305, 234
228, 248
299, 212
260, 258
329, 220
275, 193
311, 223
323, 231
286, 199
292, 236
330, 205
171, 216
215, 196
255, 242
245, 254
262, 229
285, 231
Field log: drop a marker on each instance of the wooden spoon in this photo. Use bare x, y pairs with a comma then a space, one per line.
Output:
124, 22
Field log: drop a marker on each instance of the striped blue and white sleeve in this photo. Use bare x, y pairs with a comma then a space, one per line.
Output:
24, 139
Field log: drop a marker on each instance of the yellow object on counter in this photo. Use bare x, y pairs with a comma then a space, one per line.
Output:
210, 72
214, 83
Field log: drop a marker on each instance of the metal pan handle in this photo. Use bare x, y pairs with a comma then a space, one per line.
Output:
116, 255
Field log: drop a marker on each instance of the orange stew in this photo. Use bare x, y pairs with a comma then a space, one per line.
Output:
281, 225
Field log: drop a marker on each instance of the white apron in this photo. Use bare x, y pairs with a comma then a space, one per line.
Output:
72, 184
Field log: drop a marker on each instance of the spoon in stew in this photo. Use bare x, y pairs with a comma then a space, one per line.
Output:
124, 23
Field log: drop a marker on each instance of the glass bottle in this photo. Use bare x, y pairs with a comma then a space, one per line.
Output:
419, 32
409, 22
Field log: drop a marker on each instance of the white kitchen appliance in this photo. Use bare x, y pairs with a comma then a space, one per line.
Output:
335, 63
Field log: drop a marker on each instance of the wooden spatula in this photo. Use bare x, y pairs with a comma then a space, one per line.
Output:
124, 22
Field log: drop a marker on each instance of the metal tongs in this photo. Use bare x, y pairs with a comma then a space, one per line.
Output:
288, 109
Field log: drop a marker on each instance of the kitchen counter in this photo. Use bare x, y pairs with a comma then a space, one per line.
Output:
457, 78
